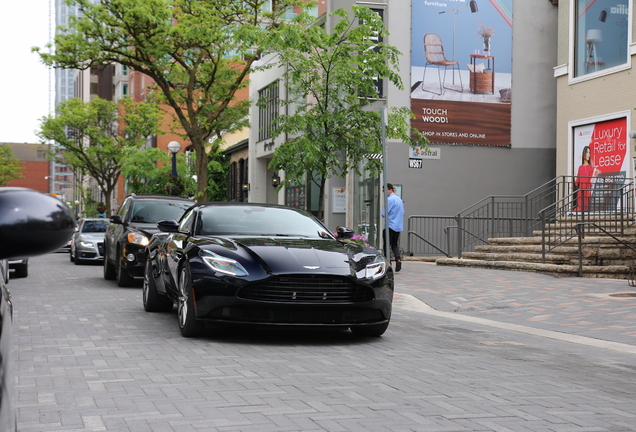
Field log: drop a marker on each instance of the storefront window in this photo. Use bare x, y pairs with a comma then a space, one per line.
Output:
601, 35
366, 208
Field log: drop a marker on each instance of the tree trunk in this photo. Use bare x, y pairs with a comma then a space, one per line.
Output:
201, 166
107, 195
321, 199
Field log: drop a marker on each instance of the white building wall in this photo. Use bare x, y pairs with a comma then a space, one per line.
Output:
463, 175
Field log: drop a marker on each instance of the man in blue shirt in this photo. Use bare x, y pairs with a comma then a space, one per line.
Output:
396, 225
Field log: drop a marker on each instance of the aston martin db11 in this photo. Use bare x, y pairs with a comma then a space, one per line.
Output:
259, 264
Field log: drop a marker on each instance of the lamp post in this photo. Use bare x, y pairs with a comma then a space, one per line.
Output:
173, 148
275, 180
472, 4
77, 203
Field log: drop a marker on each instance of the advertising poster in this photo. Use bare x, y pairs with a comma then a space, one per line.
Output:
461, 62
600, 164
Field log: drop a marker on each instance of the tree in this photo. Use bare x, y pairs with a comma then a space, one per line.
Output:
150, 172
199, 54
10, 167
331, 75
95, 137
144, 175
218, 169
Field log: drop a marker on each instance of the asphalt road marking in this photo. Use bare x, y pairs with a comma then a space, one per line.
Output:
411, 303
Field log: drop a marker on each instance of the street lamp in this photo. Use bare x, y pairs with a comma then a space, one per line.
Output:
174, 147
77, 203
275, 179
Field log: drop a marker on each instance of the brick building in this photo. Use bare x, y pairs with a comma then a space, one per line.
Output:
36, 174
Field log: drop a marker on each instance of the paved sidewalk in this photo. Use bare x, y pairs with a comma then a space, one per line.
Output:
596, 308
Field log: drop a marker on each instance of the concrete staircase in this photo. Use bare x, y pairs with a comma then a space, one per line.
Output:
602, 255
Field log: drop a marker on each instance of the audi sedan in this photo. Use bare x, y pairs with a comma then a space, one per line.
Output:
258, 264
87, 243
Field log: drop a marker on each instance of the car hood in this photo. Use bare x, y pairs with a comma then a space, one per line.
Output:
92, 236
280, 255
147, 229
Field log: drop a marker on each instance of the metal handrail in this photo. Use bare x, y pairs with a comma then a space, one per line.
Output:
501, 216
574, 210
581, 235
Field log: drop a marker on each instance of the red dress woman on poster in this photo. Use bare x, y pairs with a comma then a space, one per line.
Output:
584, 178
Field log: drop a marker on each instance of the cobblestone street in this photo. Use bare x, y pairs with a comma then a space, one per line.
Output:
90, 359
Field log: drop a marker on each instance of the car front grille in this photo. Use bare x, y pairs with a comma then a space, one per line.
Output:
307, 288
100, 248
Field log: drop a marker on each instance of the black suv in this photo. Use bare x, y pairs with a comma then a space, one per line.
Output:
130, 230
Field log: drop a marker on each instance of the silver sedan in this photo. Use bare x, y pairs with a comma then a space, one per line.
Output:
87, 243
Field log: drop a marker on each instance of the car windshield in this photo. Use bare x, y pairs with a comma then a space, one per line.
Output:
155, 211
258, 221
95, 226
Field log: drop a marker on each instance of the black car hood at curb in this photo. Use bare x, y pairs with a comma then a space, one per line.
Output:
147, 229
293, 255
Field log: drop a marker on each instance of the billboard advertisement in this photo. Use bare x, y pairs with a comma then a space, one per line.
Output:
461, 63
600, 164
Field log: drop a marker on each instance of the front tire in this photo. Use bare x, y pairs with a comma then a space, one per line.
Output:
375, 330
109, 270
123, 278
153, 301
188, 324
21, 271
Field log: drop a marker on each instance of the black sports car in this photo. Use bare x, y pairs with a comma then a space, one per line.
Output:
243, 263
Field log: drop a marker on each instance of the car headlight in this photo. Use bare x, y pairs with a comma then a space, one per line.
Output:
223, 265
86, 244
138, 239
373, 270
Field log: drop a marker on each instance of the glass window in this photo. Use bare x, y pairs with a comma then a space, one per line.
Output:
268, 110
601, 35
261, 221
153, 212
186, 222
94, 226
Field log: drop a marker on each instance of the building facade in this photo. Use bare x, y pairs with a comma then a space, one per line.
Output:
36, 167
596, 88
62, 179
492, 129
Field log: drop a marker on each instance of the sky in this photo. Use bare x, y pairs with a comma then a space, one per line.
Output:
24, 80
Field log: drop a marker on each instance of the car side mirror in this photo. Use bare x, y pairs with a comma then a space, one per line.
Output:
168, 226
32, 223
344, 233
116, 219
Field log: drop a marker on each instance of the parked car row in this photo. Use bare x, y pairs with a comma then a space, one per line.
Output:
220, 263
239, 264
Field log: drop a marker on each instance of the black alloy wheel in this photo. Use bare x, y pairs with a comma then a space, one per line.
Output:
188, 324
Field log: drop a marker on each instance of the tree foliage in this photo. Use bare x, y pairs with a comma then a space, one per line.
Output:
95, 137
150, 172
199, 54
11, 168
331, 75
